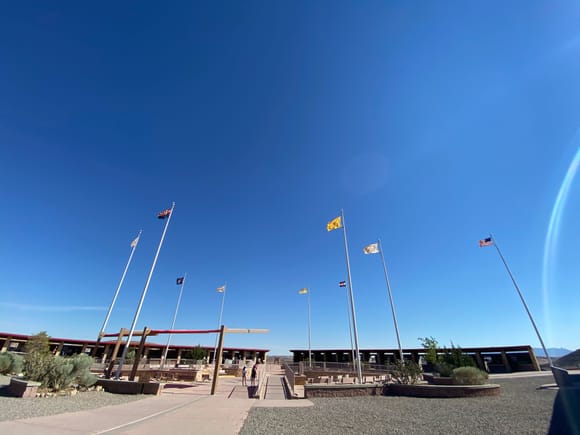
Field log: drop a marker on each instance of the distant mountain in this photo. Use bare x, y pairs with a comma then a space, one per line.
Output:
555, 352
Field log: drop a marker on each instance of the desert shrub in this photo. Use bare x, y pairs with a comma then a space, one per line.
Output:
430, 346
469, 376
10, 363
408, 372
197, 353
456, 358
38, 343
74, 370
443, 369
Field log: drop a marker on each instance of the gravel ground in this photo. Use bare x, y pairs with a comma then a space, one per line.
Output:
15, 408
520, 408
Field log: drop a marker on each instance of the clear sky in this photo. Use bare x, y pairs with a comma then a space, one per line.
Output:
430, 123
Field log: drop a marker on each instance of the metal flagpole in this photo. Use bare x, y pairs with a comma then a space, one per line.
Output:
224, 287
359, 368
522, 299
349, 324
309, 336
130, 336
173, 323
133, 247
391, 300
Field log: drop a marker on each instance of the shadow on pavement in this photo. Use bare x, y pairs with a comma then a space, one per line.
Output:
566, 413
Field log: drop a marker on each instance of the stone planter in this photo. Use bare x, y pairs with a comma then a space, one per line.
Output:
23, 388
442, 391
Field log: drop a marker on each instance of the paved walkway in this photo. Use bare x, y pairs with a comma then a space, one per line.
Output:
180, 409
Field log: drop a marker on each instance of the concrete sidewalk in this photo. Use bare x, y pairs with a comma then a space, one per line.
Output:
180, 409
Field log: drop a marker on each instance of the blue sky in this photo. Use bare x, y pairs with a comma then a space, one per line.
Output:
431, 124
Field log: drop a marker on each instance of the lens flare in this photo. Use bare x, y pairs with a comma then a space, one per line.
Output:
553, 233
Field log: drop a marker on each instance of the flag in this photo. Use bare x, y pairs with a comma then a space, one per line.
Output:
485, 242
334, 224
342, 284
179, 281
163, 214
303, 291
221, 289
373, 248
134, 242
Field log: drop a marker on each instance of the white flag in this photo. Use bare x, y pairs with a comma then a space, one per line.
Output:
134, 242
373, 248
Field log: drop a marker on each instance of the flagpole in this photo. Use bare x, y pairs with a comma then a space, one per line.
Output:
391, 300
359, 368
164, 360
133, 247
522, 299
130, 336
309, 336
349, 324
220, 320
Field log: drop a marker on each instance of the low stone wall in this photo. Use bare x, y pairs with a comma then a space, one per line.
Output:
130, 387
337, 390
23, 388
442, 391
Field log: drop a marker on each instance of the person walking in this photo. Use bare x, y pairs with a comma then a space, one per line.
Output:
244, 373
253, 375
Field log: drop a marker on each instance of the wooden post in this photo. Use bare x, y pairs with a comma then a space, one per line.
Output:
97, 343
139, 352
122, 332
218, 360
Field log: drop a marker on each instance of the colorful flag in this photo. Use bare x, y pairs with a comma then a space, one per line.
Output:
342, 284
334, 224
373, 248
485, 242
179, 281
134, 242
163, 214
303, 291
221, 289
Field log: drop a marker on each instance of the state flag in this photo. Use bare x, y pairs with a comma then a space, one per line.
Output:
334, 224
303, 291
373, 248
179, 281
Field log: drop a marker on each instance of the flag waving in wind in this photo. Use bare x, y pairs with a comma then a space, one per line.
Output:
334, 224
179, 281
342, 284
303, 291
221, 289
373, 248
488, 241
163, 214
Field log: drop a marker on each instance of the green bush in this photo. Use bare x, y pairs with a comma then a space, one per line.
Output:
65, 372
10, 363
58, 373
469, 376
443, 369
430, 346
408, 372
456, 358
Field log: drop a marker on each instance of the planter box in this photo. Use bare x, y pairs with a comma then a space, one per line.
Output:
442, 391
23, 388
